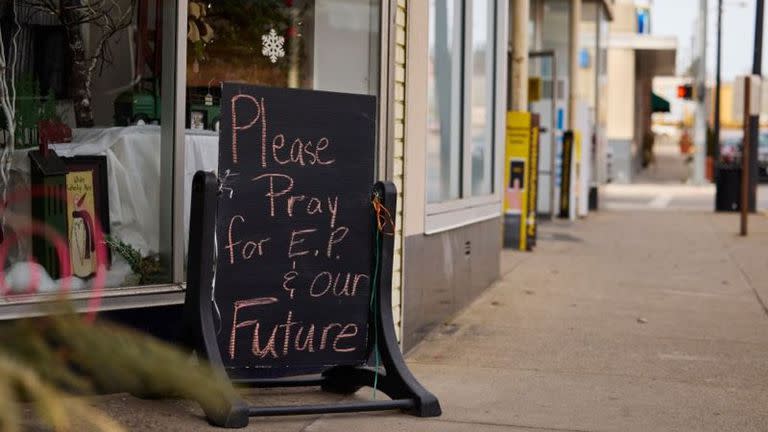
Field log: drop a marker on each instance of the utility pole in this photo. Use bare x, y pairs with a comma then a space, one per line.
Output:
519, 80
745, 157
700, 119
716, 125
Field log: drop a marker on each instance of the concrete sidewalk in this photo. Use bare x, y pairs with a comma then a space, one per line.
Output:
625, 321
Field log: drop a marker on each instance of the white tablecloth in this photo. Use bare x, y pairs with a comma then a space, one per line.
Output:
134, 177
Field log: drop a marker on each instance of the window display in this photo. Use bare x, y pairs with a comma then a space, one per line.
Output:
85, 80
283, 43
87, 203
328, 45
80, 121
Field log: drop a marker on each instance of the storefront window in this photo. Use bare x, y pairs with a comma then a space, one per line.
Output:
84, 83
541, 66
480, 87
443, 144
533, 25
314, 44
331, 45
587, 80
555, 37
96, 86
587, 54
460, 95
601, 102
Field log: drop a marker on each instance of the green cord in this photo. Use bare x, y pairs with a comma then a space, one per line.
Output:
374, 307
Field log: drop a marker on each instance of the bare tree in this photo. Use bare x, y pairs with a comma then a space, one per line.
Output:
9, 51
110, 18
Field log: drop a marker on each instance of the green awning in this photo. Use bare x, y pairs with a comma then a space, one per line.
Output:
658, 103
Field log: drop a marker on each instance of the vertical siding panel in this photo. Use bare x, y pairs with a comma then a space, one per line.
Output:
399, 158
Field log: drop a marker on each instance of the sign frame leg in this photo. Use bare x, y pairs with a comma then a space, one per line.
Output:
397, 381
198, 309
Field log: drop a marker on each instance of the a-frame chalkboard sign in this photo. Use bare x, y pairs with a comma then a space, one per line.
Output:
290, 255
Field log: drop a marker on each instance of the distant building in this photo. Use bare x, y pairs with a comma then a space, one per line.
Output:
635, 57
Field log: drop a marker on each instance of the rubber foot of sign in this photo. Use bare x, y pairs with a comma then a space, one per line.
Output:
232, 414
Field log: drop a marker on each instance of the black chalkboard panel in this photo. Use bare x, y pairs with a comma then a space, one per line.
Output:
294, 229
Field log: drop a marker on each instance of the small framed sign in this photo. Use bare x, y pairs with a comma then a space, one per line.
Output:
197, 120
87, 208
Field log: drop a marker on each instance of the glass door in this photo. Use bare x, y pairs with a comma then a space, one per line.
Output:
541, 68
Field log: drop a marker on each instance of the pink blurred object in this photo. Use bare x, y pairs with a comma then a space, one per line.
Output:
62, 251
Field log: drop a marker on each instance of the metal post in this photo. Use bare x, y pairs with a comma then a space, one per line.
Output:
745, 158
757, 54
754, 120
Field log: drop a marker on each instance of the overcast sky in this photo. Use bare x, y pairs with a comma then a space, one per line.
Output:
678, 18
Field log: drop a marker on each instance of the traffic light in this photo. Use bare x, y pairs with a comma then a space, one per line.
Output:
685, 91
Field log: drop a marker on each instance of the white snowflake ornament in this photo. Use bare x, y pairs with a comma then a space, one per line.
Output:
272, 46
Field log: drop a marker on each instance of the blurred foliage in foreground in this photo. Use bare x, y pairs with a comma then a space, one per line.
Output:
47, 361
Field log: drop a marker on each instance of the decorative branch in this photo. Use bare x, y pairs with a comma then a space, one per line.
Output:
110, 17
8, 104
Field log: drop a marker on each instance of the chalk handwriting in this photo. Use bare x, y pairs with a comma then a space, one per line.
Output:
261, 114
304, 260
249, 249
241, 304
278, 341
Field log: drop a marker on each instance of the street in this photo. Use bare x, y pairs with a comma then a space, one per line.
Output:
663, 187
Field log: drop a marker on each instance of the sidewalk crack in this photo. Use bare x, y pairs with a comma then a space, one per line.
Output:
514, 425
744, 276
748, 281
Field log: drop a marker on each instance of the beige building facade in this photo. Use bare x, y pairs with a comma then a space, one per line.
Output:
462, 75
634, 59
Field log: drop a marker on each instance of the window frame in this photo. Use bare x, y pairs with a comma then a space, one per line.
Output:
466, 210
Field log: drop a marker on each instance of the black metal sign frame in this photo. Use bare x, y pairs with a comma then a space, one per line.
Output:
396, 381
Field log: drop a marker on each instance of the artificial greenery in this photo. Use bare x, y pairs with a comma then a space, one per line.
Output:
48, 360
31, 109
19, 382
48, 110
148, 268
